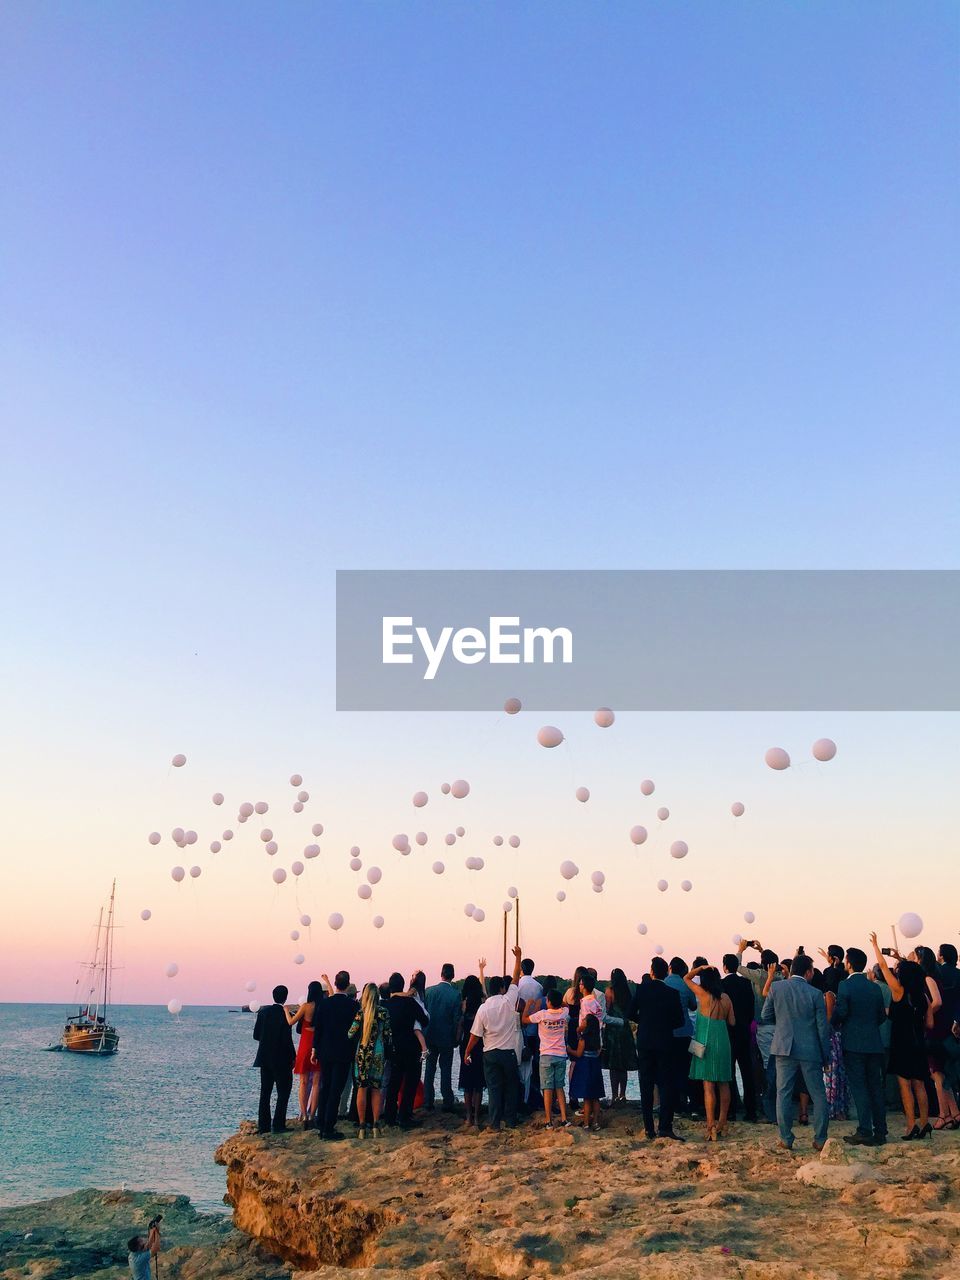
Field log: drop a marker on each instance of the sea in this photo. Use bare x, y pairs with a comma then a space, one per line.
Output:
146, 1118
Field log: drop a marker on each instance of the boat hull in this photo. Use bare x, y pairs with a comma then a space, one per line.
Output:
95, 1040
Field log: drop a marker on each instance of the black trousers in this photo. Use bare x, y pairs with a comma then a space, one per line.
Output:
503, 1086
684, 1089
333, 1077
865, 1078
405, 1076
741, 1051
281, 1079
657, 1068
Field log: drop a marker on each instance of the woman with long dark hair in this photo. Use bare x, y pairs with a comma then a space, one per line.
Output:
305, 1018
471, 1073
910, 1000
619, 1046
713, 1065
938, 1028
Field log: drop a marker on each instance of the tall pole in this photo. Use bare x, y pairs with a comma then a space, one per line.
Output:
518, 922
504, 969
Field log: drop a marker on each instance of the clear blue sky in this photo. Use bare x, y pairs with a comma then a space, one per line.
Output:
292, 288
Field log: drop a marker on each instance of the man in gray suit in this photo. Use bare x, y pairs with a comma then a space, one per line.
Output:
861, 1013
442, 1035
801, 1042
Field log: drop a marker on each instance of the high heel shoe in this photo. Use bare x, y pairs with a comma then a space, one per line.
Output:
711, 1133
926, 1131
909, 1137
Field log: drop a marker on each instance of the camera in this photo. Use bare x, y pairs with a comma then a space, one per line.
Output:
800, 951
887, 951
155, 1222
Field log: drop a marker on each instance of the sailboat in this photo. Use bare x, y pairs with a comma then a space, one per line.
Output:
89, 1030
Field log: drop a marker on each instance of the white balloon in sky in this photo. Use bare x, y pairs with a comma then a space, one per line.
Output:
172, 970
154, 837
271, 847
569, 869
749, 917
215, 846
190, 837
647, 787
662, 886
335, 921
355, 864
354, 851
777, 758
582, 794
663, 813
179, 761
177, 874
498, 840
679, 849
597, 877
638, 834
460, 789
736, 939
228, 834
246, 809
479, 915
279, 875
445, 788
469, 909
438, 868
420, 798
549, 736
364, 891
561, 896
449, 838
597, 888
266, 834
603, 717
296, 868
507, 906
295, 779
641, 928
317, 829
514, 842
374, 875
254, 1006
298, 958
512, 706
910, 924
178, 835
303, 796
461, 831
146, 913
195, 872
686, 886
824, 749
512, 892
174, 1006
250, 985
294, 935
261, 806
218, 797
658, 950
421, 837
311, 851
378, 922
306, 920
737, 809
400, 842
297, 806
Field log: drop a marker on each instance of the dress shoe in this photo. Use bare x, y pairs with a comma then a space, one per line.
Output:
879, 1141
858, 1139
673, 1137
333, 1136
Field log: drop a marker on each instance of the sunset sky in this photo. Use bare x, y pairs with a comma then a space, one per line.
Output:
436, 286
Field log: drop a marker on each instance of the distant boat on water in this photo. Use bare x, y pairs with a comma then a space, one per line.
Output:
89, 1030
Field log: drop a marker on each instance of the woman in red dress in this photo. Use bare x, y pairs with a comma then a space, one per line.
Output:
308, 1071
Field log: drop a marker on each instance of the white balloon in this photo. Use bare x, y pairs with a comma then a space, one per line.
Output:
514, 842
512, 892
146, 913
910, 924
736, 939
228, 834
438, 868
279, 875
354, 851
597, 877
261, 806
662, 886
461, 831
298, 806
679, 849
638, 834
569, 869
374, 875
215, 846
303, 796
421, 837
420, 798
179, 761
254, 1006
317, 829
335, 921
266, 834
294, 935
749, 917
469, 909
777, 758
246, 809
297, 868
460, 789
241, 817
295, 779
597, 888
172, 970
174, 1006
311, 851
250, 986
154, 837
507, 906
824, 749
364, 891
582, 794
378, 922
561, 896
658, 950
686, 886
355, 864
647, 787
178, 873
445, 788
479, 915
737, 809
195, 872
549, 736
449, 838
178, 835
498, 840
400, 842
190, 837
512, 706
218, 797
641, 928
663, 813
271, 847
298, 958
603, 717
306, 920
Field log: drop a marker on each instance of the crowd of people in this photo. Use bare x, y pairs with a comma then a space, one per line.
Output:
761, 1038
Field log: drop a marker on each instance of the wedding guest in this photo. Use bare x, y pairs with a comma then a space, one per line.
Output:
305, 1067
740, 992
658, 1013
442, 1035
551, 1026
275, 1058
334, 1050
688, 1094
712, 1065
372, 1026
619, 1054
587, 1078
938, 1029
801, 1046
861, 1013
471, 1074
496, 1024
407, 1017
908, 1054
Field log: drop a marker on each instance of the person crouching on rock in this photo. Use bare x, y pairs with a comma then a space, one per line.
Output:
140, 1251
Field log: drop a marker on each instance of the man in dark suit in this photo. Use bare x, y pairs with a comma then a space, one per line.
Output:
657, 1011
740, 991
334, 1050
275, 1058
861, 1013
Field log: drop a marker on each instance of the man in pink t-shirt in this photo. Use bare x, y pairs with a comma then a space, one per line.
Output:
551, 1024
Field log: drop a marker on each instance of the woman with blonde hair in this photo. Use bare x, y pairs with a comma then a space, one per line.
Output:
372, 1025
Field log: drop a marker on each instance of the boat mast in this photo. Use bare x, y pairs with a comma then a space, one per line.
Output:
93, 969
108, 953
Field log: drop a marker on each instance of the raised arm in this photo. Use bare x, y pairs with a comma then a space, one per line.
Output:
517, 957
895, 988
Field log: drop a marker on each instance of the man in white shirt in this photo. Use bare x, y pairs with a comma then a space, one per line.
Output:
496, 1024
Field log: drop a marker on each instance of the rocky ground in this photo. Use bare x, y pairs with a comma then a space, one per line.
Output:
447, 1205
83, 1236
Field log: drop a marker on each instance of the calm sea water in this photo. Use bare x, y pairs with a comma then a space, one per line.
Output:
147, 1118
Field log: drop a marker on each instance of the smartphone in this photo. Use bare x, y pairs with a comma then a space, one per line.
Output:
800, 951
887, 951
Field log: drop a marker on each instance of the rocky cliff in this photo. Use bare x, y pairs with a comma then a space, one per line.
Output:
449, 1205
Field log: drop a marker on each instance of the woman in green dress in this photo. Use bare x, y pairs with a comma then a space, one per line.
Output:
619, 1046
713, 1065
